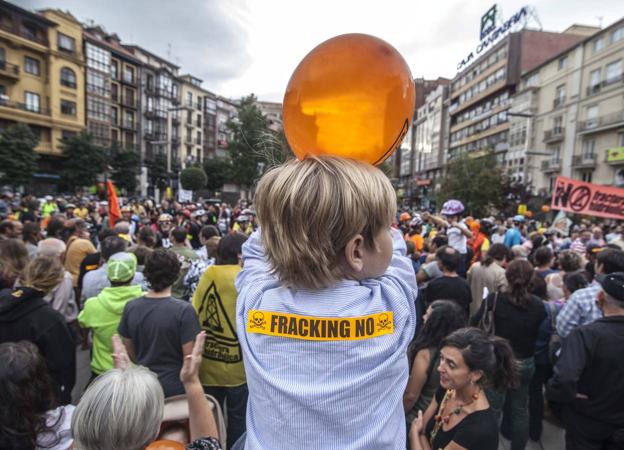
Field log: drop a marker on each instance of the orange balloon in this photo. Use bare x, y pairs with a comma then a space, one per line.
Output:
165, 444
528, 214
352, 96
545, 208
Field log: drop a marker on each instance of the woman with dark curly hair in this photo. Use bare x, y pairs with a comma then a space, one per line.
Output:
30, 416
441, 319
157, 329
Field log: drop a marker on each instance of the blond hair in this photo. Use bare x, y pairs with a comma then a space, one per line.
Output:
43, 273
310, 209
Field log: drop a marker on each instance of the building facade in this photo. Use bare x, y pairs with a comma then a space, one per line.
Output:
192, 129
41, 80
273, 113
578, 117
480, 95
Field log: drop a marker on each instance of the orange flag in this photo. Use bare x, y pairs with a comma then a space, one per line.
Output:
114, 213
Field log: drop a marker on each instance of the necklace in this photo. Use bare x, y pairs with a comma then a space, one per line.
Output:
441, 419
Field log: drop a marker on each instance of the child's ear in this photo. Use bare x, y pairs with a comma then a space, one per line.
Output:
354, 256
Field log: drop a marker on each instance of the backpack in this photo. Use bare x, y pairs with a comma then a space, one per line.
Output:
486, 322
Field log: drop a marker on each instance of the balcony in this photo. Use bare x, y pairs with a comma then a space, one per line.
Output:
39, 36
198, 105
551, 165
128, 125
584, 161
554, 135
175, 100
150, 89
593, 90
559, 102
155, 136
175, 140
9, 71
128, 102
36, 109
198, 141
189, 140
602, 123
161, 92
131, 81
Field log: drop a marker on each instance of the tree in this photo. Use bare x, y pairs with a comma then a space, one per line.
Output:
157, 170
84, 161
193, 178
253, 145
18, 159
219, 171
125, 165
476, 181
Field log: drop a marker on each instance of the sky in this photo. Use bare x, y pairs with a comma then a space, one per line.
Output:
238, 47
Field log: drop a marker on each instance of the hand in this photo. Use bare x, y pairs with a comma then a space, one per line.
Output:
190, 369
121, 360
417, 424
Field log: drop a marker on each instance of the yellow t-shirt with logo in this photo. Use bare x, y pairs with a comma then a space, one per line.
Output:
214, 301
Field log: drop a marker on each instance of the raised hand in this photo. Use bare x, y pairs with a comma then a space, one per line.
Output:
121, 360
190, 369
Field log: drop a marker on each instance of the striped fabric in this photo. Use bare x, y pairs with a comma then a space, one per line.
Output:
326, 394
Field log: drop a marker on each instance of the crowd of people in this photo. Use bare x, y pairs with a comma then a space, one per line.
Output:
318, 317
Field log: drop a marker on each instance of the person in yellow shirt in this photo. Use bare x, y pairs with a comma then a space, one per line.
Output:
222, 372
81, 211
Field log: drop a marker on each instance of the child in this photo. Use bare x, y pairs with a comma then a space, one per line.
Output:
325, 310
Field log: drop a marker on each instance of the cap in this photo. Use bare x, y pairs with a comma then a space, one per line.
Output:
70, 205
242, 218
48, 198
612, 284
121, 267
200, 212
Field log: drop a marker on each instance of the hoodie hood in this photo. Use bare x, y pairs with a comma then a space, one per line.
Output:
114, 299
16, 303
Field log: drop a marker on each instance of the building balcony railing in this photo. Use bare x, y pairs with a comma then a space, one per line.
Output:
602, 123
8, 70
16, 29
132, 81
155, 136
189, 140
584, 161
551, 165
128, 124
198, 105
129, 102
553, 135
150, 89
198, 141
5, 102
559, 102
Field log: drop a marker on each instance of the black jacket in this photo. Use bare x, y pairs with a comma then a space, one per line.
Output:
25, 316
591, 364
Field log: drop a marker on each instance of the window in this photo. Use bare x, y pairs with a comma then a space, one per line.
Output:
617, 35
189, 117
598, 45
65, 43
588, 148
592, 116
32, 102
129, 96
199, 120
129, 74
149, 126
560, 93
150, 104
198, 141
594, 77
129, 119
614, 72
115, 92
563, 63
97, 83
189, 98
68, 108
31, 66
98, 58
114, 70
98, 109
586, 177
557, 121
621, 139
114, 116
68, 78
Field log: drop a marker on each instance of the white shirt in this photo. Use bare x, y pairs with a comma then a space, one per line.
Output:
62, 430
456, 238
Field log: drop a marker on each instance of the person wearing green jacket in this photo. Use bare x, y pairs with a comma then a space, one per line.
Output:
101, 314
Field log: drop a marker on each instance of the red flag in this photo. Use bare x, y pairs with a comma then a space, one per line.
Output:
114, 213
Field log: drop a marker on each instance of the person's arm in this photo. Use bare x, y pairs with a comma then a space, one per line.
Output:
438, 220
463, 228
570, 315
201, 418
417, 437
255, 266
562, 387
129, 348
417, 379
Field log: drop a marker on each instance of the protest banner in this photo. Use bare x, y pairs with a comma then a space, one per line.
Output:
590, 199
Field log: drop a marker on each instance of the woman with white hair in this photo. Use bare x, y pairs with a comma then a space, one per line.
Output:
123, 408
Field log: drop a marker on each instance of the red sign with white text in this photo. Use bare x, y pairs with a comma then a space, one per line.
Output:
588, 198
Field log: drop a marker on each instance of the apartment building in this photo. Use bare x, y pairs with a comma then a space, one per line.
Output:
480, 95
192, 131
160, 109
273, 113
41, 79
210, 125
112, 91
577, 120
226, 110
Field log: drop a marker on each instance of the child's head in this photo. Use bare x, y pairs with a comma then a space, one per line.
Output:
324, 219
